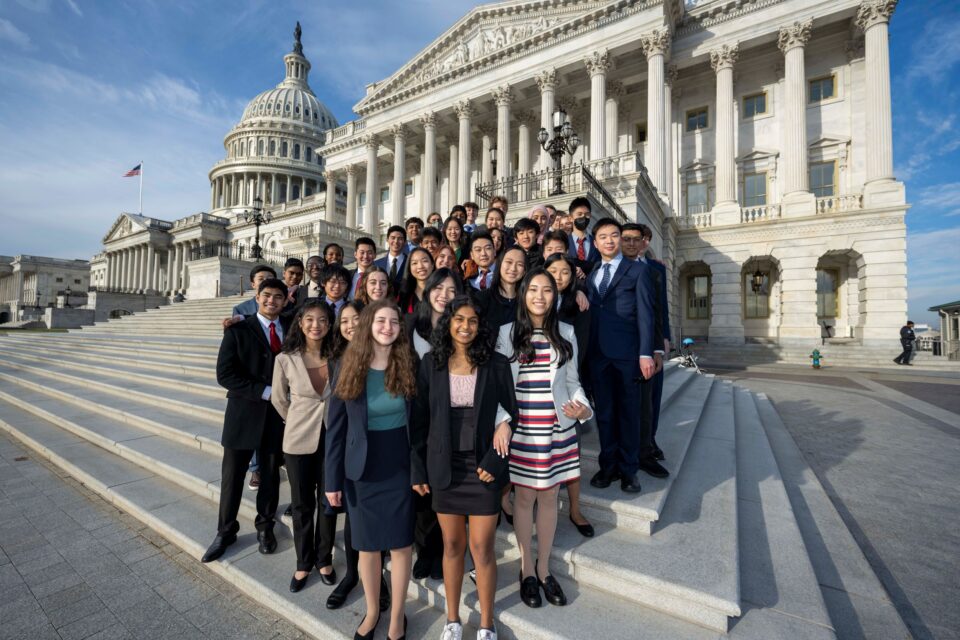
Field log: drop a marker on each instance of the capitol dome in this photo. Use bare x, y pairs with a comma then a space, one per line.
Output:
288, 101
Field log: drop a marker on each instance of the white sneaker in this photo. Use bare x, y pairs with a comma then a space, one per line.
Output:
487, 634
452, 631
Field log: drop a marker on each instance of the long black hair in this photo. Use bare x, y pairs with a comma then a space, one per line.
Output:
339, 342
495, 283
441, 343
409, 286
296, 339
568, 297
522, 334
423, 324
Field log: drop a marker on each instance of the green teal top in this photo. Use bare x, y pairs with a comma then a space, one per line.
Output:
385, 411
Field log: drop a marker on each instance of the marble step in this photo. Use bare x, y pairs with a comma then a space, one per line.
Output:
163, 363
206, 359
775, 569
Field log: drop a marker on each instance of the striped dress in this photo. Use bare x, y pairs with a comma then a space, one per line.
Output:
542, 453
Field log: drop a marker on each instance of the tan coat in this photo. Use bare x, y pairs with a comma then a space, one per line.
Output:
298, 404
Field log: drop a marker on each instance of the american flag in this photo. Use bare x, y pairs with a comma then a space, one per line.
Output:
133, 172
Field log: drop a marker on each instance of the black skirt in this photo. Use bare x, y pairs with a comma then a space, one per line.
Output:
380, 504
467, 495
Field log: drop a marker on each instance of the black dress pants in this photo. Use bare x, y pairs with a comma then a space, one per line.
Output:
427, 537
233, 477
313, 543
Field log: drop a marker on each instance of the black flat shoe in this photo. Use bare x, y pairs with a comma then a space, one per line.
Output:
530, 591
658, 453
507, 516
421, 568
339, 595
268, 541
218, 547
586, 530
602, 479
296, 585
328, 578
384, 594
368, 635
651, 467
553, 592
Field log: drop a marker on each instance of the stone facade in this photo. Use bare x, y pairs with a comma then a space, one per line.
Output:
27, 282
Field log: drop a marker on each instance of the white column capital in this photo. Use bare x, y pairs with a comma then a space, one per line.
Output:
672, 73
351, 169
546, 80
503, 95
371, 141
526, 117
795, 35
330, 176
724, 57
615, 89
598, 62
874, 12
464, 109
428, 120
487, 129
399, 131
657, 42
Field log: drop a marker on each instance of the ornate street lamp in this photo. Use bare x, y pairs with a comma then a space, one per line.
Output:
66, 295
565, 140
37, 305
756, 281
258, 217
493, 160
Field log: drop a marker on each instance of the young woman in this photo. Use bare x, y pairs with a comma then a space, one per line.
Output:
442, 286
453, 236
540, 215
347, 322
300, 392
418, 269
461, 437
370, 409
447, 259
497, 236
544, 452
435, 220
374, 285
499, 301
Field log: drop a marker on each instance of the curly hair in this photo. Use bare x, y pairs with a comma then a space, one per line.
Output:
479, 351
400, 378
296, 340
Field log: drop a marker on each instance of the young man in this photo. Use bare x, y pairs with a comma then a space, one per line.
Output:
249, 307
460, 213
314, 266
500, 202
414, 231
525, 232
473, 209
395, 259
335, 281
333, 253
250, 423
292, 277
365, 251
907, 338
581, 244
485, 257
621, 345
431, 241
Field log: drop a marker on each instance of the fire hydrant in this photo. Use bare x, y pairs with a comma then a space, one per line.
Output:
816, 357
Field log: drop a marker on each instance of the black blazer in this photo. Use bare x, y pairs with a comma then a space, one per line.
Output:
431, 419
245, 369
346, 439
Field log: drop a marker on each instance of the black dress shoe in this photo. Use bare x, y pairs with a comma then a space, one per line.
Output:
553, 592
421, 568
268, 541
339, 595
328, 578
436, 569
657, 452
368, 635
530, 591
296, 585
586, 530
602, 479
220, 544
651, 467
631, 484
384, 594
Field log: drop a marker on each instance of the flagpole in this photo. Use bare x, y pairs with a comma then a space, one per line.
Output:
141, 187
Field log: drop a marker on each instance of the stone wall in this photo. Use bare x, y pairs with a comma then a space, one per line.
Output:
217, 276
68, 317
104, 303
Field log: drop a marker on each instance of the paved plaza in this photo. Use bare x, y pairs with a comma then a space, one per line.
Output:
885, 447
72, 566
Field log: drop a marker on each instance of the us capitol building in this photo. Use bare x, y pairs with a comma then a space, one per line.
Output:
753, 136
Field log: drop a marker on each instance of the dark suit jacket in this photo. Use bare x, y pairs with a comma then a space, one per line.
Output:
346, 439
245, 369
384, 263
593, 255
622, 322
907, 336
431, 420
661, 270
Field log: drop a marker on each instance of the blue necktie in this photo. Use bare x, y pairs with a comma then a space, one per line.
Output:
605, 280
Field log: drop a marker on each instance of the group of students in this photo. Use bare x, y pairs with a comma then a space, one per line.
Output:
417, 393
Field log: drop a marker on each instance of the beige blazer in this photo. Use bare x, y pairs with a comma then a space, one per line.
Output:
301, 408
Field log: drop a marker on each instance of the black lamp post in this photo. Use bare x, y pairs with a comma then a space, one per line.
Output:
66, 294
37, 304
258, 217
493, 160
564, 140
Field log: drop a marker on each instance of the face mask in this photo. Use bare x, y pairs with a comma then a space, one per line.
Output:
581, 223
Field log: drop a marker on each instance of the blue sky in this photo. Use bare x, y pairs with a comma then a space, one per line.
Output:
88, 88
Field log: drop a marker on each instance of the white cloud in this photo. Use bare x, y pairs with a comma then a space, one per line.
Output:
74, 7
10, 33
937, 50
940, 196
931, 269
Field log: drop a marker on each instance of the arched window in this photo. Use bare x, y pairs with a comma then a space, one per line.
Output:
273, 147
308, 154
283, 149
260, 148
296, 152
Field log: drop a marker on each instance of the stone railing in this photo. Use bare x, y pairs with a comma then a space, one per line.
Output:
839, 204
345, 131
615, 166
272, 161
759, 213
324, 229
696, 220
201, 218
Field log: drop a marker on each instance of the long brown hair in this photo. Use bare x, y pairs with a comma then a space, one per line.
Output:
400, 378
362, 295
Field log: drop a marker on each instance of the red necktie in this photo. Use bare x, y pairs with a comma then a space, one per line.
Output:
356, 289
581, 254
483, 279
274, 339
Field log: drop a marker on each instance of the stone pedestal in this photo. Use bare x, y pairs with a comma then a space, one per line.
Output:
798, 204
725, 213
68, 317
216, 277
884, 193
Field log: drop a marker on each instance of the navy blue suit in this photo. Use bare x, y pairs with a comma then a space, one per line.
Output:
622, 328
593, 255
660, 270
384, 263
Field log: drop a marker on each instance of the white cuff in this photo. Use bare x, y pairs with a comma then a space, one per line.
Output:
266, 393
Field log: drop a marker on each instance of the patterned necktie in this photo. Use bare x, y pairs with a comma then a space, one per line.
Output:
483, 279
581, 253
393, 270
605, 280
356, 289
274, 339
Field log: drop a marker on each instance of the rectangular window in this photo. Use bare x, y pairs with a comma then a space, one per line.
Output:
384, 194
362, 199
408, 188
756, 304
697, 198
823, 88
698, 297
754, 105
59, 279
697, 119
827, 284
754, 189
822, 179
76, 281
641, 132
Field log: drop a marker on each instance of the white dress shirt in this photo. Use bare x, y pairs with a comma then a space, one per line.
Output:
475, 282
265, 325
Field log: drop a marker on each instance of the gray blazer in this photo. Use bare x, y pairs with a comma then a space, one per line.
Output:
301, 407
566, 380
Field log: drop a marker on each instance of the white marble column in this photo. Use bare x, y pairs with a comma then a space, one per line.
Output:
351, 196
124, 264
598, 63
726, 210
503, 97
429, 169
144, 267
614, 92
398, 193
669, 78
656, 46
330, 196
453, 193
873, 17
149, 271
370, 218
289, 195
797, 199
183, 264
136, 269
464, 111
547, 83
487, 132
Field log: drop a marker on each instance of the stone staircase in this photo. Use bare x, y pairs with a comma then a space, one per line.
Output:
838, 354
132, 409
